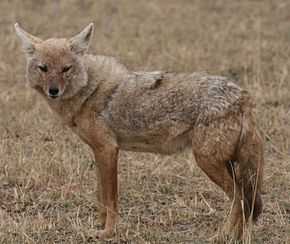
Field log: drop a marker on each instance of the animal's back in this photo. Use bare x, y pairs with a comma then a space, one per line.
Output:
156, 107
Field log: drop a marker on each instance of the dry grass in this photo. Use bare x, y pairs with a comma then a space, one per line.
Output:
47, 179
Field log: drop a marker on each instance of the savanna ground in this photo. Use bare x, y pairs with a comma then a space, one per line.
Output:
47, 176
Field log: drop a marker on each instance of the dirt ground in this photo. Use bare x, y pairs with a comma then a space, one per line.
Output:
47, 175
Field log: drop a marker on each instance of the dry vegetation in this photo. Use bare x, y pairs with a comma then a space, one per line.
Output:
47, 178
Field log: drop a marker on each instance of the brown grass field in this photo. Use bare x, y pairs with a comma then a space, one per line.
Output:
47, 176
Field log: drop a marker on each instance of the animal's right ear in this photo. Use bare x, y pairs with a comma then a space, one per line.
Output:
28, 41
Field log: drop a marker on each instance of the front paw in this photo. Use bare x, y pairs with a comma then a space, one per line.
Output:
105, 234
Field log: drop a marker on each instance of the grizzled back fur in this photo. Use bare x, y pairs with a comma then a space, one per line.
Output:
154, 98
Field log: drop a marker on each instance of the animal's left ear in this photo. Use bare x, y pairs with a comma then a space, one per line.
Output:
80, 43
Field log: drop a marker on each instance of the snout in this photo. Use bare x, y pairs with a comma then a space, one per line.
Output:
54, 88
53, 92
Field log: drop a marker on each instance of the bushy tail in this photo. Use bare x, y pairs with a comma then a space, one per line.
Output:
250, 158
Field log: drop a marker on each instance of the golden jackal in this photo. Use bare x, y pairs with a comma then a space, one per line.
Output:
112, 108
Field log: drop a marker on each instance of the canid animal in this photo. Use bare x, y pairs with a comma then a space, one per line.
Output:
111, 108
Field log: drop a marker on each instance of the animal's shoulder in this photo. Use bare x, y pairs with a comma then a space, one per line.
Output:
147, 80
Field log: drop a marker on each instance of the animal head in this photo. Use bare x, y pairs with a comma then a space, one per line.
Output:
55, 66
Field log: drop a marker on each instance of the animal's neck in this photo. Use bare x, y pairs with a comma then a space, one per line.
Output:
66, 109
103, 68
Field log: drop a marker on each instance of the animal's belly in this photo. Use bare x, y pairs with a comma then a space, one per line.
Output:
155, 145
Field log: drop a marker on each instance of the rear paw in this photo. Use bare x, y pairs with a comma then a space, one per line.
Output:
214, 238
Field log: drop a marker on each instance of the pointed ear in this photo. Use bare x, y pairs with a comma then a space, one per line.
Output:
28, 41
80, 42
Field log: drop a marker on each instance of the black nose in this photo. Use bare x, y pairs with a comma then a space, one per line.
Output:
53, 92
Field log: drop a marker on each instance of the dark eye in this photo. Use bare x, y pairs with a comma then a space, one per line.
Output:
43, 67
66, 68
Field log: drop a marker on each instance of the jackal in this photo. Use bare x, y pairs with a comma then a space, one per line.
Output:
111, 108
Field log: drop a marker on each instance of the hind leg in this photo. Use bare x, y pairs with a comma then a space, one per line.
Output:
250, 172
217, 171
214, 147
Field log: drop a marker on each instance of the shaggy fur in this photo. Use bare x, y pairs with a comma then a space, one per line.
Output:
112, 108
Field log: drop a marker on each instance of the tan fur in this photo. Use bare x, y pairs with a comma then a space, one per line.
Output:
112, 108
